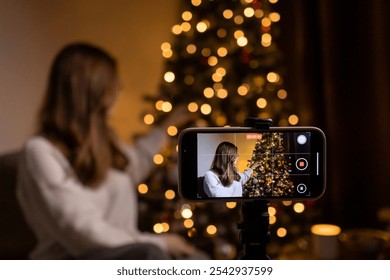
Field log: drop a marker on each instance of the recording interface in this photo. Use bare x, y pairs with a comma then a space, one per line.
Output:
269, 164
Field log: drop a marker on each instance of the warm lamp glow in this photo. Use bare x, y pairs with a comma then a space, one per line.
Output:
325, 230
231, 205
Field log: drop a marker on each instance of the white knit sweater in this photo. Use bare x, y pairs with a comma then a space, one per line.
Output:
70, 219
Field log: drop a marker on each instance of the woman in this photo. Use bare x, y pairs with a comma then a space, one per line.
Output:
223, 179
76, 181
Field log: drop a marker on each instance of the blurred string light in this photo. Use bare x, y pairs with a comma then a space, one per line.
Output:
201, 26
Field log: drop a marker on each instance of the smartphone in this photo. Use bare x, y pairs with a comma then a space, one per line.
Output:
242, 163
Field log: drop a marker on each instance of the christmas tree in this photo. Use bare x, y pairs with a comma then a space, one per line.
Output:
224, 65
271, 177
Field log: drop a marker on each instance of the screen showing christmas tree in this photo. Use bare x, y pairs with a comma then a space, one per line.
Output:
269, 164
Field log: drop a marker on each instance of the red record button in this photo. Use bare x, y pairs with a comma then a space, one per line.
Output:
301, 164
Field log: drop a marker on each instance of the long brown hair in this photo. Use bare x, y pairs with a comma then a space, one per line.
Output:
82, 87
223, 163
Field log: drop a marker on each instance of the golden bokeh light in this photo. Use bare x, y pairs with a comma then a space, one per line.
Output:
148, 119
143, 188
159, 104
205, 109
266, 40
170, 194
273, 77
272, 211
222, 93
208, 92
211, 230
249, 12
261, 103
158, 159
212, 60
158, 228
169, 77
185, 26
191, 48
274, 17
172, 130
222, 51
193, 107
201, 26
186, 15
176, 29
282, 94
242, 41
228, 14
281, 232
266, 22
186, 213
299, 207
166, 106
238, 20
293, 119
231, 205
188, 223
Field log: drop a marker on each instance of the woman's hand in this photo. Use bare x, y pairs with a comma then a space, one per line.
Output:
254, 165
178, 247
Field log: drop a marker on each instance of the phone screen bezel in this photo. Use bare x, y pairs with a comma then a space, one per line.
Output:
188, 162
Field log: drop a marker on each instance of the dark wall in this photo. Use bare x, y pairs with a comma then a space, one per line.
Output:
338, 74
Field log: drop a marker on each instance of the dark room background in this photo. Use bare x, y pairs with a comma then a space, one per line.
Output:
337, 57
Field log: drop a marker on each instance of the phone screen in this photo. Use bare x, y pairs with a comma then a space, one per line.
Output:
236, 164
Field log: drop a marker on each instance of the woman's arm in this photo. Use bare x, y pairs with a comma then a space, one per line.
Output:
245, 176
57, 204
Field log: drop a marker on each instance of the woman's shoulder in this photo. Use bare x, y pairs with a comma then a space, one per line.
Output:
39, 147
37, 143
210, 173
